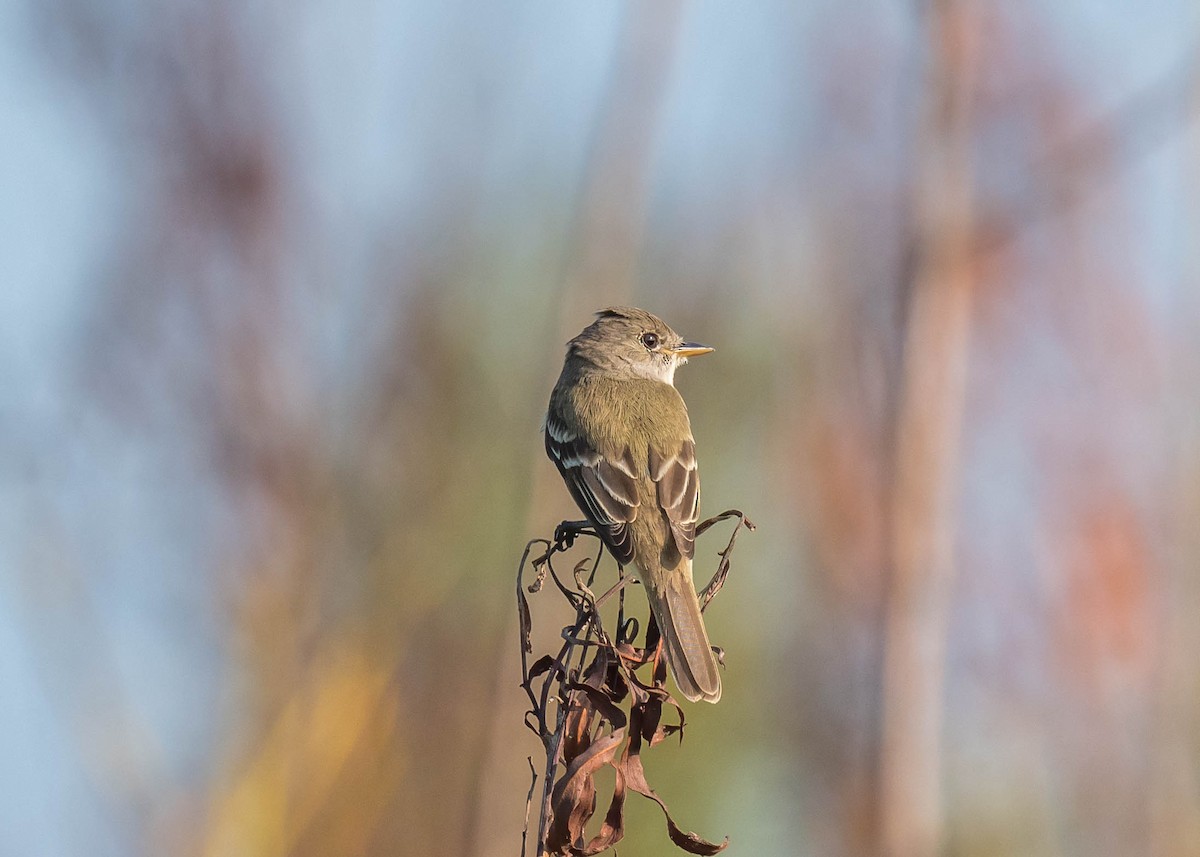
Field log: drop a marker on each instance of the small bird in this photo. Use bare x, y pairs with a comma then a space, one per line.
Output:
618, 431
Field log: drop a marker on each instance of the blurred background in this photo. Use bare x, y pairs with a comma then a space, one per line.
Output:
286, 287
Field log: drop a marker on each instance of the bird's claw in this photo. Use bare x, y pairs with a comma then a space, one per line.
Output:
566, 533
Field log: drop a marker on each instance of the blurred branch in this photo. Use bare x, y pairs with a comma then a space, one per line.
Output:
927, 446
599, 707
1100, 152
612, 197
1175, 790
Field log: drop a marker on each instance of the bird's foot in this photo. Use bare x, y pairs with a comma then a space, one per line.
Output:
567, 531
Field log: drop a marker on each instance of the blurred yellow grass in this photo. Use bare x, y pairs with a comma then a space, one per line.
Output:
344, 707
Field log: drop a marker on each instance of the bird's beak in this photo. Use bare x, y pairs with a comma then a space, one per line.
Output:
691, 349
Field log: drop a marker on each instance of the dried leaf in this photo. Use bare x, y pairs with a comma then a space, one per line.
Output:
653, 730
612, 830
631, 774
574, 796
577, 728
600, 703
718, 579
525, 619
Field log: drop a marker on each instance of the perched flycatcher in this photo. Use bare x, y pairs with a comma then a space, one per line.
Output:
618, 431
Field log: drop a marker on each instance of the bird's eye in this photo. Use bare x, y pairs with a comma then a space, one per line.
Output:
650, 340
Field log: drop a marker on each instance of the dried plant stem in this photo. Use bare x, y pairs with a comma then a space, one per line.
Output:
553, 752
599, 702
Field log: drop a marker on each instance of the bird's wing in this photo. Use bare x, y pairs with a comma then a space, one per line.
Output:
604, 486
678, 484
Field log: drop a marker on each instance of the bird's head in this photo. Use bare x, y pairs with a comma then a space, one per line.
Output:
631, 341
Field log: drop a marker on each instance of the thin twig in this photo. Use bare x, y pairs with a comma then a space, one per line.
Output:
528, 804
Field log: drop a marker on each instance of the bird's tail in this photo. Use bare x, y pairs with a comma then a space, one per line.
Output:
676, 609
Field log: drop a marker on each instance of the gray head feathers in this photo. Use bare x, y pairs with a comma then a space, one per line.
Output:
630, 342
